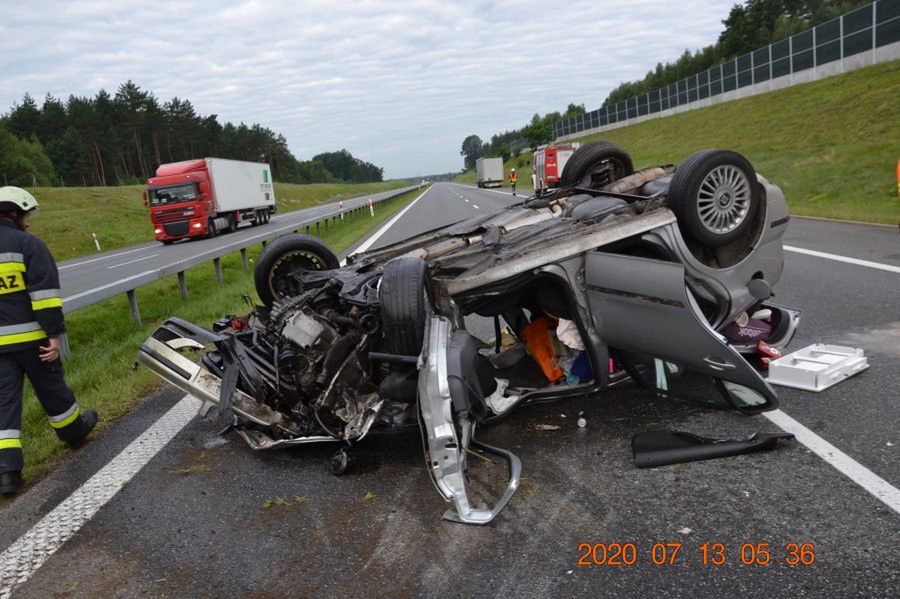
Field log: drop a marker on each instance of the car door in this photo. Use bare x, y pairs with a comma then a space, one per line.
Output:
643, 305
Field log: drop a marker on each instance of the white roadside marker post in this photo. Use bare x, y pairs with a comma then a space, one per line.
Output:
371, 208
96, 242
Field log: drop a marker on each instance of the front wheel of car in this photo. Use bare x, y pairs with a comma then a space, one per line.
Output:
715, 196
288, 255
403, 289
595, 165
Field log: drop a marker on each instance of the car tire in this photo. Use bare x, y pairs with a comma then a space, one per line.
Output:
211, 229
404, 284
285, 255
232, 224
715, 196
595, 165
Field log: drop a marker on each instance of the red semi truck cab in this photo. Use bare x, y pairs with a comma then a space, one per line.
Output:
206, 196
548, 164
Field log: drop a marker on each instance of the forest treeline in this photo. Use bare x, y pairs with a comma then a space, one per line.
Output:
750, 25
116, 139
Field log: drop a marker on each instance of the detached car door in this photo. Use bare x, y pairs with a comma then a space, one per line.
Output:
643, 305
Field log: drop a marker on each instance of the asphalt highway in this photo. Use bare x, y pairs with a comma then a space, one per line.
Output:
86, 273
207, 516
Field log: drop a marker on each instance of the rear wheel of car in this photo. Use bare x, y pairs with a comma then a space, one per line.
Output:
285, 256
595, 165
715, 195
404, 285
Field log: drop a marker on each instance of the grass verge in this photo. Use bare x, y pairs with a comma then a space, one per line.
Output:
831, 145
117, 215
105, 340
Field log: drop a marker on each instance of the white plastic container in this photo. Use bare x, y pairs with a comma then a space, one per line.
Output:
817, 367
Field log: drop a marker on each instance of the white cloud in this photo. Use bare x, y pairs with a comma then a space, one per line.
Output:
397, 83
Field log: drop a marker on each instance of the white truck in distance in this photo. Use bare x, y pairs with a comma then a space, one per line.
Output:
489, 172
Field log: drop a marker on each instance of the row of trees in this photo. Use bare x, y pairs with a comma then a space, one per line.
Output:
122, 138
749, 26
509, 143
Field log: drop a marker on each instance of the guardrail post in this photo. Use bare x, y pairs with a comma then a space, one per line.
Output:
244, 259
307, 229
182, 285
326, 225
318, 234
264, 244
217, 264
132, 304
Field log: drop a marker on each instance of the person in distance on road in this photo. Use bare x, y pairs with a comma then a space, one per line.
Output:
513, 179
32, 337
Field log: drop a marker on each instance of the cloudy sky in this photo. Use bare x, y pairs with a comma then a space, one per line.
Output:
399, 84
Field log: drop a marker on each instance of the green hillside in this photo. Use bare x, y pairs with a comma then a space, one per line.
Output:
831, 145
117, 215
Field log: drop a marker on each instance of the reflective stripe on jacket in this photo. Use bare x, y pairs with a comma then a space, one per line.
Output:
30, 299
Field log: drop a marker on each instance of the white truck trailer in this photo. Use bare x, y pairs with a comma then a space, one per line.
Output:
489, 172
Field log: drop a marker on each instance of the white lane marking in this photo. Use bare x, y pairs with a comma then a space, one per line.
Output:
384, 229
466, 199
508, 193
849, 222
111, 256
30, 551
843, 463
132, 261
856, 261
475, 206
107, 286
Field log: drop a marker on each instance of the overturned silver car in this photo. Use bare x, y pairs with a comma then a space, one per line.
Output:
618, 277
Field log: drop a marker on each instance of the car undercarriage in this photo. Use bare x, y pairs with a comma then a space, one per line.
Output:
608, 273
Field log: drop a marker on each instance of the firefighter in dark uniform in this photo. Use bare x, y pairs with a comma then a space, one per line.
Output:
31, 338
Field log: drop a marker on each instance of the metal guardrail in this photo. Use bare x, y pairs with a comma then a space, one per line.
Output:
129, 285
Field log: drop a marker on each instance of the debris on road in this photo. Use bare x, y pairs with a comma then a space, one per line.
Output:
817, 366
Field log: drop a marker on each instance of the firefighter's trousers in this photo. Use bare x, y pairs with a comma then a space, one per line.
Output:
52, 392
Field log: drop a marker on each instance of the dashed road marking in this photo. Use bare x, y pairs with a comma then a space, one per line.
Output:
475, 206
109, 257
132, 261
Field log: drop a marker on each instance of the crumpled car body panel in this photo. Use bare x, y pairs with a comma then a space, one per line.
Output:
315, 367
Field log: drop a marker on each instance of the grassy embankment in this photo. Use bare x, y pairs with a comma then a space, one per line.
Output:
105, 340
831, 145
117, 214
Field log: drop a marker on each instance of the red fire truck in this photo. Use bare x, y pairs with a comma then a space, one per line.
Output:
549, 161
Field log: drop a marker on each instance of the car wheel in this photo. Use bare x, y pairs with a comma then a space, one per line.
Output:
715, 195
287, 255
232, 224
595, 165
404, 285
211, 229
